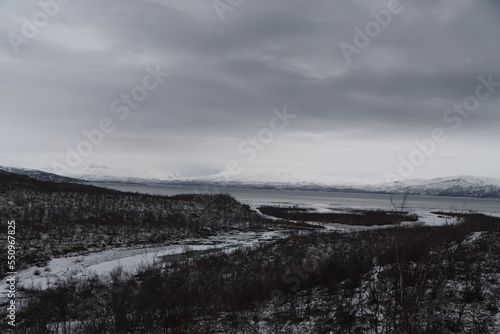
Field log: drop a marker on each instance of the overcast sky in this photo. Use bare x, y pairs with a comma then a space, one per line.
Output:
354, 93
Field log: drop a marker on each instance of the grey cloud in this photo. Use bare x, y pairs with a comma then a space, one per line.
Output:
226, 77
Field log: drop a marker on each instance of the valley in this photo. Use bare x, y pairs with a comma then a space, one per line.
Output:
271, 261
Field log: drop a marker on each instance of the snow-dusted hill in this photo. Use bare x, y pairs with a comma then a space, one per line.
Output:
466, 186
39, 175
100, 173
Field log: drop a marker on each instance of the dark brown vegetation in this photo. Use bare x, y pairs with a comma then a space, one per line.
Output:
353, 217
56, 219
419, 280
333, 282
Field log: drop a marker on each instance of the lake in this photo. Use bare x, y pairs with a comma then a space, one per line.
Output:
322, 200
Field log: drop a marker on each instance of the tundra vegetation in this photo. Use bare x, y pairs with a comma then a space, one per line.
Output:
407, 279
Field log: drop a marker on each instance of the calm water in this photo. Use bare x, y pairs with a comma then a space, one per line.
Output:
326, 200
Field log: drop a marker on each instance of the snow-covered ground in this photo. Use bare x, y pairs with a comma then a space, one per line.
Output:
130, 259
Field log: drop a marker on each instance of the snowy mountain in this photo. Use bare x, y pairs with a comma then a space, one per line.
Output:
459, 186
100, 173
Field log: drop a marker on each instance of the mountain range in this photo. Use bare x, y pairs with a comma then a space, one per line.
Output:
457, 186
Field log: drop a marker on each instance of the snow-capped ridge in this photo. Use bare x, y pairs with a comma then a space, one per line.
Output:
465, 186
102, 173
455, 186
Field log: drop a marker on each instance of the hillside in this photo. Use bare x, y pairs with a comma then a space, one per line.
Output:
59, 218
462, 186
38, 175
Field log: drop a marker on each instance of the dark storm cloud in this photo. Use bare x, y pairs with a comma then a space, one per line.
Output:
227, 76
